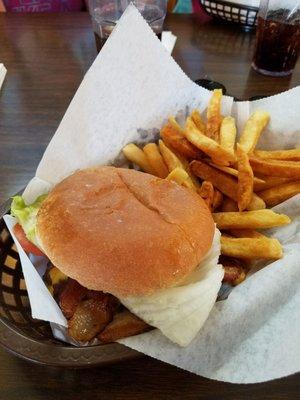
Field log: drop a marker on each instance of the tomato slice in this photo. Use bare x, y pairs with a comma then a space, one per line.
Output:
25, 243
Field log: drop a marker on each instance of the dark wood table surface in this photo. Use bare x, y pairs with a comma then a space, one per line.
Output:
46, 57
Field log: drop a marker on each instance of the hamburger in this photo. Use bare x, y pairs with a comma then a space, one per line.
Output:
128, 252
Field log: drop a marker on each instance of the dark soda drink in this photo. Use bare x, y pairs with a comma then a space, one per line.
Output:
277, 43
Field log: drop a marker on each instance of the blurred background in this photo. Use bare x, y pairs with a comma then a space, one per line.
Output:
177, 6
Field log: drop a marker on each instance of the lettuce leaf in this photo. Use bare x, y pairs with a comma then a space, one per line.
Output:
26, 215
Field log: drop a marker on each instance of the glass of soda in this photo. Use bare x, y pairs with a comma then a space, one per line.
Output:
106, 13
277, 37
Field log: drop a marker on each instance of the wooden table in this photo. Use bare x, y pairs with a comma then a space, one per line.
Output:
46, 57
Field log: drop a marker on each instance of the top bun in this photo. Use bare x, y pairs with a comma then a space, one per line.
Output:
124, 232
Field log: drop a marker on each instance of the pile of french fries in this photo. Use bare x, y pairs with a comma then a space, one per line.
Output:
236, 181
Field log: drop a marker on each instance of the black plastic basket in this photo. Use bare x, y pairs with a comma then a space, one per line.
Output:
241, 14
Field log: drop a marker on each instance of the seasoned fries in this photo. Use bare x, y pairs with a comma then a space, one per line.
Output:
251, 248
138, 157
155, 160
228, 170
257, 182
270, 181
276, 195
198, 121
218, 199
175, 125
229, 205
245, 233
195, 184
226, 184
245, 179
256, 203
214, 115
283, 169
171, 160
228, 134
178, 142
253, 129
235, 180
219, 155
287, 155
259, 219
206, 191
178, 175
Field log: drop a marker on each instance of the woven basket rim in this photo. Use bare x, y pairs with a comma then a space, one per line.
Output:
230, 4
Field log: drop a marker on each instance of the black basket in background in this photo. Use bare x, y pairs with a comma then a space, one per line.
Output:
239, 13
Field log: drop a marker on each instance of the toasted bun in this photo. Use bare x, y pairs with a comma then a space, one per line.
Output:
124, 232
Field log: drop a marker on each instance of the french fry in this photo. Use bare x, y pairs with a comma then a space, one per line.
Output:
245, 179
226, 184
234, 270
246, 233
172, 162
256, 203
292, 155
229, 205
188, 183
278, 194
228, 134
228, 170
214, 115
218, 199
251, 248
195, 184
269, 182
257, 182
175, 125
192, 181
259, 219
178, 142
283, 169
178, 175
192, 178
198, 121
253, 129
155, 160
137, 156
123, 325
219, 155
206, 191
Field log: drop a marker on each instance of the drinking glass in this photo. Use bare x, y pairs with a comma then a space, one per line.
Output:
277, 37
106, 13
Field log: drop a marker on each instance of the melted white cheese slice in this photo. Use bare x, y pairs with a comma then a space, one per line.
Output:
180, 312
